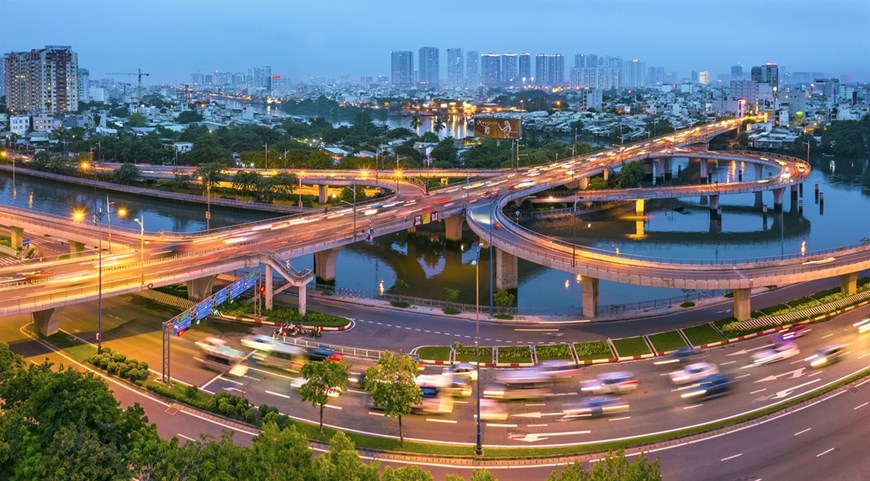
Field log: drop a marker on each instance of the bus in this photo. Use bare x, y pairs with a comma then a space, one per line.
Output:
519, 384
269, 352
217, 355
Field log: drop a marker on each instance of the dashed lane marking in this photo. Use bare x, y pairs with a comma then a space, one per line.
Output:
825, 452
801, 432
278, 394
731, 457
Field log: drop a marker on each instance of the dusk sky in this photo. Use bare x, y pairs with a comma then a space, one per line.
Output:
173, 38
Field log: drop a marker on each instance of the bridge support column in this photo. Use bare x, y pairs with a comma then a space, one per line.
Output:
703, 166
742, 305
505, 270
412, 231
269, 293
638, 207
666, 168
17, 237
606, 174
715, 210
589, 288
778, 194
47, 322
76, 248
453, 228
583, 183
199, 289
324, 265
849, 283
759, 168
759, 201
322, 193
303, 299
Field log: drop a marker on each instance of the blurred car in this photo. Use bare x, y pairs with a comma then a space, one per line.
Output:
557, 369
610, 383
681, 355
463, 370
323, 353
357, 380
693, 372
595, 406
492, 410
793, 332
863, 325
776, 352
827, 355
709, 387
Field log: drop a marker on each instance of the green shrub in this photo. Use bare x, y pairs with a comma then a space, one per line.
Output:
434, 353
503, 316
687, 304
514, 354
550, 352
451, 310
402, 304
469, 353
593, 350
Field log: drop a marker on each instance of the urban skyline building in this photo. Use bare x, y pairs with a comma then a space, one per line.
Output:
84, 85
490, 69
42, 80
549, 69
429, 66
472, 68
767, 73
455, 68
510, 69
402, 68
525, 68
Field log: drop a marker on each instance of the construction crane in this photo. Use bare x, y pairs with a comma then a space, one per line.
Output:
139, 73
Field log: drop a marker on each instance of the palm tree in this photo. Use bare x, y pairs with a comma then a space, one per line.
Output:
415, 122
439, 125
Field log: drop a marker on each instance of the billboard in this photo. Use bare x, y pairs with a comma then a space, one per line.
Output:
494, 128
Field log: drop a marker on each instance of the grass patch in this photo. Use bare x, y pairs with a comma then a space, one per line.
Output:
177, 290
515, 354
434, 353
402, 304
76, 348
469, 353
666, 341
450, 310
631, 346
553, 352
287, 314
593, 350
703, 334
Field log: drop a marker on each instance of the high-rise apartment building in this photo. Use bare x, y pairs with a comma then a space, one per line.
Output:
767, 74
549, 69
455, 74
704, 77
737, 72
634, 73
3, 74
472, 68
84, 85
490, 69
42, 81
510, 69
402, 68
429, 66
525, 68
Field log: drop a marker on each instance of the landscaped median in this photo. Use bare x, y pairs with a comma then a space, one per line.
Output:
631, 348
665, 342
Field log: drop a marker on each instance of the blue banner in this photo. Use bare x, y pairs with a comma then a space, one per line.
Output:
203, 309
221, 296
183, 321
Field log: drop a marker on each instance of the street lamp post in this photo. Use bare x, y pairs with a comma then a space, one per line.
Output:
207, 180
353, 187
141, 222
98, 219
478, 447
491, 248
109, 220
574, 233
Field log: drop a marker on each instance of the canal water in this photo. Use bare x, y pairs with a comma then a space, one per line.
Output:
674, 229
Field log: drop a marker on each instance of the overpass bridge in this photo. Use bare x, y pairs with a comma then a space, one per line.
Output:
197, 258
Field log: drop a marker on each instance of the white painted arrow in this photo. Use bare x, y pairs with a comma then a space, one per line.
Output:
794, 375
747, 351
537, 415
532, 437
786, 392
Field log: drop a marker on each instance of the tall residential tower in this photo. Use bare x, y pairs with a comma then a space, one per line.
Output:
42, 81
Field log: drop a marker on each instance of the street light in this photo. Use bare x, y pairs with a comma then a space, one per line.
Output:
478, 447
574, 233
78, 216
353, 187
141, 223
207, 181
109, 220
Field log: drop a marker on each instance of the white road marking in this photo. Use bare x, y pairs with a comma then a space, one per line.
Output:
827, 335
758, 391
727, 363
825, 452
801, 432
537, 425
185, 437
494, 425
376, 414
330, 406
278, 394
427, 330
620, 419
692, 406
447, 421
731, 457
252, 378
815, 374
859, 406
862, 356
742, 376
231, 381
535, 404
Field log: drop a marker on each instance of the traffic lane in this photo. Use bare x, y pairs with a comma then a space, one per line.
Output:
822, 441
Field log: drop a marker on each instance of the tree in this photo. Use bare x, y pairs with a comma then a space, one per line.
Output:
283, 184
444, 153
342, 462
321, 378
188, 116
629, 175
451, 296
438, 125
126, 174
392, 384
137, 120
415, 122
400, 287
407, 473
247, 181
211, 173
503, 298
614, 466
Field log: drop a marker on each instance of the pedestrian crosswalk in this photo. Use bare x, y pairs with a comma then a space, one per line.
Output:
9, 260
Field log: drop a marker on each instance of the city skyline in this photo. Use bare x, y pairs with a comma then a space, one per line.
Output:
355, 40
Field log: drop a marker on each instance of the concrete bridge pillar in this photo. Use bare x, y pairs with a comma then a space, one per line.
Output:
269, 294
505, 270
17, 237
778, 194
412, 231
303, 299
324, 265
715, 210
703, 166
759, 171
715, 224
583, 183
47, 322
322, 193
640, 228
849, 283
742, 305
759, 201
666, 168
76, 248
589, 288
453, 228
606, 174
639, 206
199, 289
